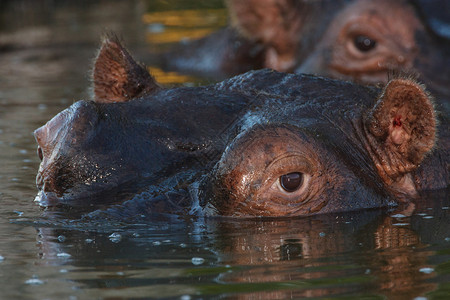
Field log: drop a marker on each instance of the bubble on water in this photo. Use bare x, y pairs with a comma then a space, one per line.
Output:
88, 241
428, 217
34, 280
447, 239
322, 234
2, 258
445, 207
136, 234
185, 297
426, 270
156, 243
63, 271
23, 151
115, 237
61, 238
167, 241
63, 255
197, 261
182, 245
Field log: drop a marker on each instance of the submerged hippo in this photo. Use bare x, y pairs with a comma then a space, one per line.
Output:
260, 144
357, 40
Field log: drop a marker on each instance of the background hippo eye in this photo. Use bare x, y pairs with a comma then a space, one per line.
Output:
364, 43
291, 182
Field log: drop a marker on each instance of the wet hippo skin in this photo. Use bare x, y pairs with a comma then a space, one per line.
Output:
260, 144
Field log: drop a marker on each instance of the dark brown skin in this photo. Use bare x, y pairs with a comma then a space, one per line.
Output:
260, 144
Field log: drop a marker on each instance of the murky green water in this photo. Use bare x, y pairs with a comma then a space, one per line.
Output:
46, 52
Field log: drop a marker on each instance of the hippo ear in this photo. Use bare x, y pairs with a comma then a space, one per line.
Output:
274, 23
400, 128
117, 77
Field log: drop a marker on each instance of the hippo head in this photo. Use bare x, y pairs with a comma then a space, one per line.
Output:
260, 144
77, 144
306, 167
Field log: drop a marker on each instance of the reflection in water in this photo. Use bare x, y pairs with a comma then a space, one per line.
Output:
46, 50
370, 253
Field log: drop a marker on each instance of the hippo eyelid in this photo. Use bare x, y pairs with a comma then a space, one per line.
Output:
298, 159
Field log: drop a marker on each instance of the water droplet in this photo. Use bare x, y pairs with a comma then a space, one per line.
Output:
400, 224
115, 237
398, 216
34, 280
197, 261
61, 238
63, 254
426, 270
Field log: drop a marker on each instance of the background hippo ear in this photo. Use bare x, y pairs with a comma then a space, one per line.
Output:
400, 128
117, 77
275, 23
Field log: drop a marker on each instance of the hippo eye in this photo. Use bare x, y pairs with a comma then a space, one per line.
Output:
291, 182
364, 43
39, 153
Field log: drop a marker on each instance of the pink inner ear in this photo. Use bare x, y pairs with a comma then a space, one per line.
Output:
397, 121
398, 134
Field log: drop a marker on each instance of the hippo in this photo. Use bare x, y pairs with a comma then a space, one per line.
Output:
359, 40
261, 144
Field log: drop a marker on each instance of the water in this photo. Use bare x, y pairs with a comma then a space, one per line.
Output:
46, 52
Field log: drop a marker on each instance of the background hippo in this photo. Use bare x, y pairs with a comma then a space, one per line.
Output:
260, 144
360, 40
